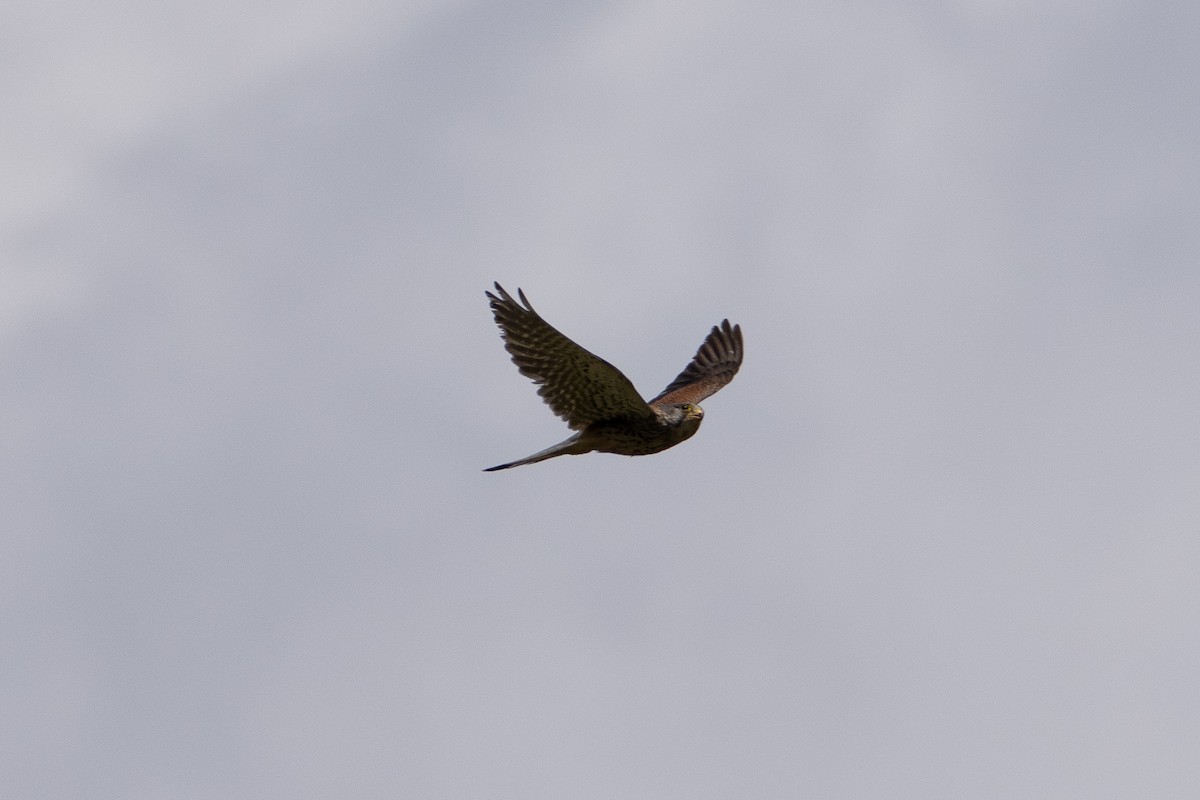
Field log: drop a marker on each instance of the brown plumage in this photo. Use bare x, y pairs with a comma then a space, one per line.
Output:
596, 399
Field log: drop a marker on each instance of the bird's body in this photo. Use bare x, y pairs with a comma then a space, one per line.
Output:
623, 437
596, 399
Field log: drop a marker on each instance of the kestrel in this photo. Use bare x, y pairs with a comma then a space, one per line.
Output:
596, 399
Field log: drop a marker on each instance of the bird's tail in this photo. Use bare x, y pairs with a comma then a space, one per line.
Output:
569, 447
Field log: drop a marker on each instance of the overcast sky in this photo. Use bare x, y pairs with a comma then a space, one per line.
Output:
939, 539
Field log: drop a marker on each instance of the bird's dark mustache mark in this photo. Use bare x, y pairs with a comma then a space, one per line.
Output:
596, 399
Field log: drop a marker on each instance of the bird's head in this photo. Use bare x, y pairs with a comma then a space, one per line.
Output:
685, 415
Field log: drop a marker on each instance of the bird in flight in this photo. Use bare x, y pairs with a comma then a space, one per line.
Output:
596, 399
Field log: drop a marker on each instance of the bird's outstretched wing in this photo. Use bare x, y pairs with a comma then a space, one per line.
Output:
714, 365
579, 387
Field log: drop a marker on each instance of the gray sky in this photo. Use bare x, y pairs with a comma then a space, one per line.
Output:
938, 540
